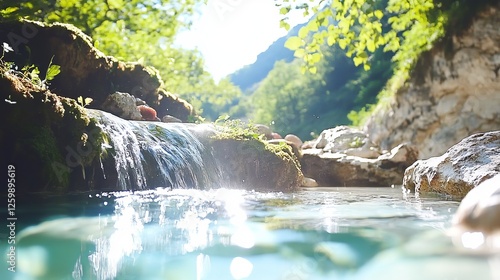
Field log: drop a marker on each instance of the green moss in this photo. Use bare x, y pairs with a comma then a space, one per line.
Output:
53, 137
235, 129
250, 139
283, 151
45, 144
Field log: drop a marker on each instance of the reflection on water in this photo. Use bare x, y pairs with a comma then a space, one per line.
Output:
229, 234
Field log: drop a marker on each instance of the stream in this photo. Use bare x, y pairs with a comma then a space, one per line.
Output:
322, 233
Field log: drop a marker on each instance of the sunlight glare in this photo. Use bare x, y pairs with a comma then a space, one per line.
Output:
243, 238
233, 201
202, 266
472, 240
241, 268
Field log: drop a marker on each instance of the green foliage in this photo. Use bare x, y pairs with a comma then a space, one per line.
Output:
137, 30
360, 27
358, 118
84, 101
283, 97
364, 27
30, 72
52, 71
209, 98
292, 102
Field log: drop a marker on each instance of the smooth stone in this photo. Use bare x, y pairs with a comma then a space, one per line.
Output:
480, 209
309, 183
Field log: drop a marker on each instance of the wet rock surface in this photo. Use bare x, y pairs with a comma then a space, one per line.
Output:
345, 156
463, 167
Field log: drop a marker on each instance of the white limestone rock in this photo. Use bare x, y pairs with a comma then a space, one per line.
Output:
463, 167
122, 105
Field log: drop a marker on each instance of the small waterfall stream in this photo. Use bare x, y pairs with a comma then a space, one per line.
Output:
148, 155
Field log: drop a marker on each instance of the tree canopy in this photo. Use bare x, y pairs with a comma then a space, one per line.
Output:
363, 27
360, 27
135, 30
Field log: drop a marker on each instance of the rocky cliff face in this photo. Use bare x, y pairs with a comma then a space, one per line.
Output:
454, 92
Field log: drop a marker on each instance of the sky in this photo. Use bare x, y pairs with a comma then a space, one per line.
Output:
231, 33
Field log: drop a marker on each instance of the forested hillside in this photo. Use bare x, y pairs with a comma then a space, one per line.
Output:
291, 101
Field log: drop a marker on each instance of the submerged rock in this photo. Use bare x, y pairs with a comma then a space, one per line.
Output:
463, 167
345, 156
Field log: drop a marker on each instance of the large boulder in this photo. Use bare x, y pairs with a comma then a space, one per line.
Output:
348, 140
86, 71
344, 156
255, 165
463, 167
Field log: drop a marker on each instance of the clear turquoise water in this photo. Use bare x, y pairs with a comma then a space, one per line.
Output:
327, 233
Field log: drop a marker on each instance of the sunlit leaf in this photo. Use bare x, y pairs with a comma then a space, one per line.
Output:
285, 25
294, 43
370, 45
303, 31
342, 43
315, 58
7, 48
88, 100
52, 72
285, 10
313, 26
299, 53
357, 61
9, 10
330, 40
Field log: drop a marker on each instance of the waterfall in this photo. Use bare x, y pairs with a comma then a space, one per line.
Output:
148, 155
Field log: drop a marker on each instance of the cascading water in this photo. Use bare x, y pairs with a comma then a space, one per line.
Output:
152, 154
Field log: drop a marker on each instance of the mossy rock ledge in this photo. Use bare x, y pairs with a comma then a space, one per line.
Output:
58, 147
256, 165
50, 140
86, 71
